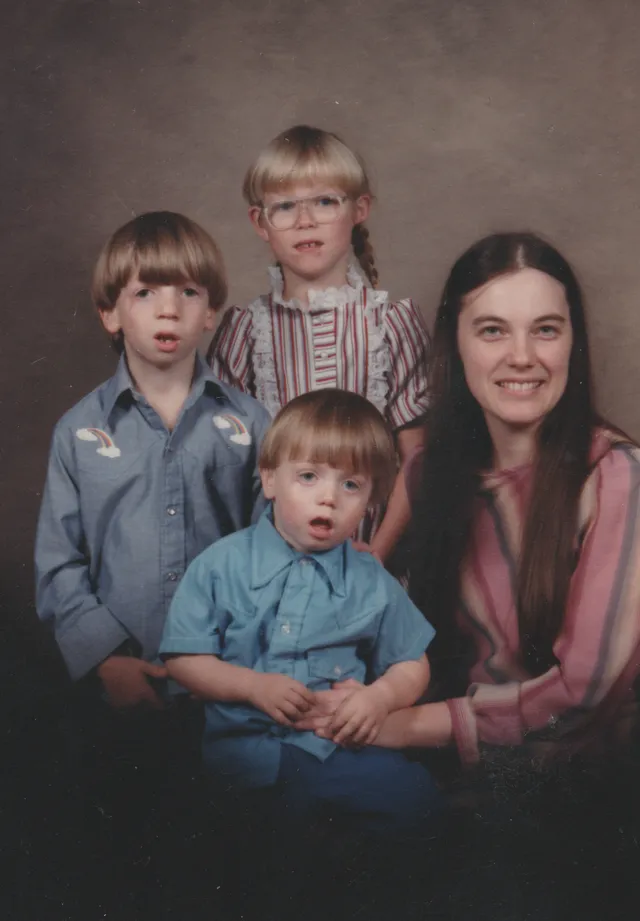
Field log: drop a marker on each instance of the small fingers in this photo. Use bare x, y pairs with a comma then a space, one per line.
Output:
373, 735
361, 735
289, 708
348, 731
302, 702
279, 716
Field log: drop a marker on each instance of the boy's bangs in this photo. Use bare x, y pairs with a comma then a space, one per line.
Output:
170, 262
347, 451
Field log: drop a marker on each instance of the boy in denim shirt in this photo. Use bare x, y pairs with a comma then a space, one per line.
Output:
267, 617
148, 469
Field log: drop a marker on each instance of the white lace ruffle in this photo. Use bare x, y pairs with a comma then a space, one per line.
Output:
378, 359
326, 298
266, 382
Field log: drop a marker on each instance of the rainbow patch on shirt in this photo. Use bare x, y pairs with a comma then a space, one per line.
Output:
240, 434
107, 447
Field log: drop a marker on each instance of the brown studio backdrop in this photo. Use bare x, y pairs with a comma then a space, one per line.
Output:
472, 116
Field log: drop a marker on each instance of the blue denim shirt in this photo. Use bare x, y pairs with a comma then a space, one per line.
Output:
128, 504
254, 601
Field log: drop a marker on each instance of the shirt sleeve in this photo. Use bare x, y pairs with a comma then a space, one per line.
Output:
192, 625
404, 633
230, 353
598, 646
86, 631
408, 343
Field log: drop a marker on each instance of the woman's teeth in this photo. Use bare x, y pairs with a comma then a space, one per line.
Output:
520, 386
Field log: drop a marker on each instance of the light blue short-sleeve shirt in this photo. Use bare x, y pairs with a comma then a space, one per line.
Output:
254, 601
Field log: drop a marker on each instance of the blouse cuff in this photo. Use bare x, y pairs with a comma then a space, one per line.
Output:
465, 731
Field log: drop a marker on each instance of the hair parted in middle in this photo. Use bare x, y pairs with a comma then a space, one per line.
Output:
162, 248
335, 427
303, 154
459, 448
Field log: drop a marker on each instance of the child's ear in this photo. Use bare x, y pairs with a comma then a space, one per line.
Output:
257, 219
110, 320
362, 209
268, 482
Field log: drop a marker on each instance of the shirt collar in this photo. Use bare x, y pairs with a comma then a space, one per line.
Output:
121, 383
271, 554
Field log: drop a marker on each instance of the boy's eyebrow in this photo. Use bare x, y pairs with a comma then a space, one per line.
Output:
556, 317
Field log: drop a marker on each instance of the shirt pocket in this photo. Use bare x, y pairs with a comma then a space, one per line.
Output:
335, 663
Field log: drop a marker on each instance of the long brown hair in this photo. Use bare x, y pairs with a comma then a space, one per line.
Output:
459, 448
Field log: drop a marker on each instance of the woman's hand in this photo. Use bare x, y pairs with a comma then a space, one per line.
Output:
364, 547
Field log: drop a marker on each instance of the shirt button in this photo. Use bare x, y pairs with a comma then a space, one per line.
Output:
171, 510
337, 670
172, 576
286, 628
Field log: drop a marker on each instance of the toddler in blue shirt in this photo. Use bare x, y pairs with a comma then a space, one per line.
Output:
265, 618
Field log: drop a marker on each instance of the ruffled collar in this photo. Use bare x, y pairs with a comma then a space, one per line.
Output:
326, 298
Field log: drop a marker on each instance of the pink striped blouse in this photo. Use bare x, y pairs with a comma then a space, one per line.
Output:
351, 337
587, 699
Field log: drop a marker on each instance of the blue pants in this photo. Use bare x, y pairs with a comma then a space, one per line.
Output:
382, 787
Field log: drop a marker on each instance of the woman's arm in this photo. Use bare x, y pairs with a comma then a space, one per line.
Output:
425, 726
398, 513
597, 649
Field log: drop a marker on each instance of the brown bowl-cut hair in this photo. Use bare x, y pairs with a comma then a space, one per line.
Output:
338, 428
162, 248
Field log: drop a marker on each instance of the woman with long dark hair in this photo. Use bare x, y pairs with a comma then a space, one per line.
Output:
526, 514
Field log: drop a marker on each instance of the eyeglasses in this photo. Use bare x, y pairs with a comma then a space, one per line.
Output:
321, 209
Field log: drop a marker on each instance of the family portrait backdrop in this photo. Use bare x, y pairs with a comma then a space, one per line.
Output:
473, 116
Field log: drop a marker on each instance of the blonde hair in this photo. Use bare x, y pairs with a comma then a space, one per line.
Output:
304, 154
338, 428
162, 248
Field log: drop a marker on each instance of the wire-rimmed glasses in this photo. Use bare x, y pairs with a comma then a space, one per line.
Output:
321, 209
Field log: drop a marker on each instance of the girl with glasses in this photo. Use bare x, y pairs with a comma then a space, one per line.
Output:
324, 323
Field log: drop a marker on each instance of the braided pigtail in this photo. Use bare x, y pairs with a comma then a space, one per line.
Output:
363, 251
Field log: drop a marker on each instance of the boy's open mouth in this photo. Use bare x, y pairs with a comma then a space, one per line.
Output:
167, 342
321, 525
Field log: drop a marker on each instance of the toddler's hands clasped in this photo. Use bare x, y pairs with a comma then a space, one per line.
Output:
349, 714
282, 698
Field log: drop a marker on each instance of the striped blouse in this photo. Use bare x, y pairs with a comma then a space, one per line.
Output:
351, 337
587, 699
